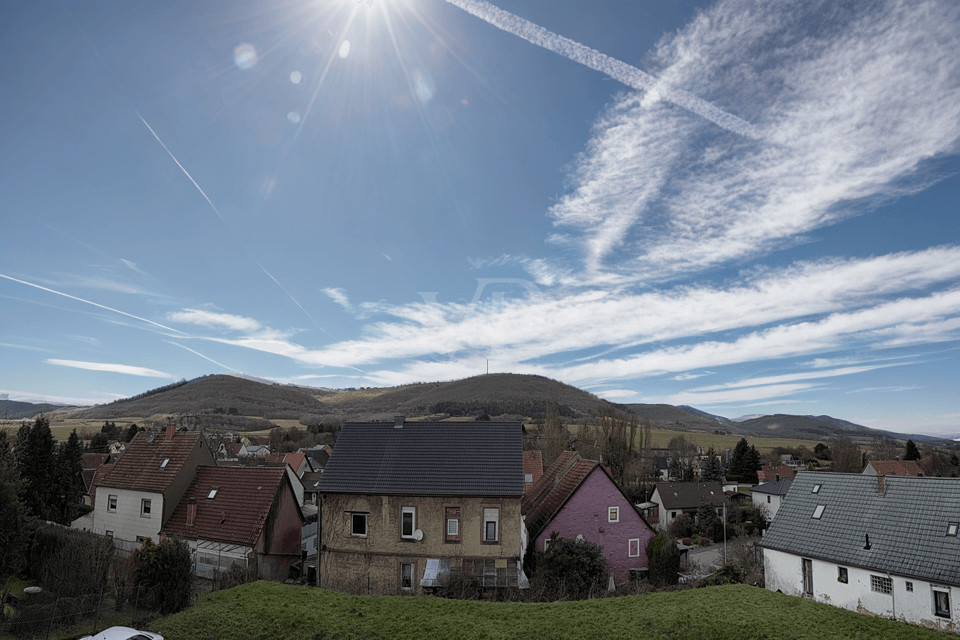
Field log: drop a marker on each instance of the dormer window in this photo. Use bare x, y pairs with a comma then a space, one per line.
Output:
818, 512
952, 529
213, 493
816, 488
166, 461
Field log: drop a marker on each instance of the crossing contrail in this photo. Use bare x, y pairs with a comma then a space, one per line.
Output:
616, 69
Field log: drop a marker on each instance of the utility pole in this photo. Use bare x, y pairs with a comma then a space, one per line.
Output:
724, 533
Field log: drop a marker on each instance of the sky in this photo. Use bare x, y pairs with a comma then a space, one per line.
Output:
746, 207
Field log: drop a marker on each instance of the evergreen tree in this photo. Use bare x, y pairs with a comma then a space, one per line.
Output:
713, 471
12, 524
663, 560
35, 461
752, 465
738, 461
132, 431
913, 453
69, 480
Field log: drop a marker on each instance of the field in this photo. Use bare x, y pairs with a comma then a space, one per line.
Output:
61, 427
266, 610
661, 437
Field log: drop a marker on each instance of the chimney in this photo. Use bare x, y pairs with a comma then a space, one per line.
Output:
191, 511
171, 429
778, 477
398, 422
881, 484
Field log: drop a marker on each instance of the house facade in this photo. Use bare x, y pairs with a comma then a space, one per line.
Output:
408, 506
893, 468
581, 501
769, 495
670, 500
139, 493
883, 545
240, 515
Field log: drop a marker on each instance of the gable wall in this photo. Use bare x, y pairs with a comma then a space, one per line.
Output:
586, 513
126, 523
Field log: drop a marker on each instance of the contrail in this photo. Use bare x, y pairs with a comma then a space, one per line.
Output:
616, 69
209, 359
95, 304
224, 220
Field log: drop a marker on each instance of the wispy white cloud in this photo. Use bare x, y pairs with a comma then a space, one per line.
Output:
80, 401
729, 396
110, 368
215, 320
339, 296
793, 377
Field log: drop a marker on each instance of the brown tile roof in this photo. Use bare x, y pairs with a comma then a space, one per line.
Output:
139, 468
532, 465
540, 514
294, 460
896, 467
550, 476
239, 510
233, 448
769, 472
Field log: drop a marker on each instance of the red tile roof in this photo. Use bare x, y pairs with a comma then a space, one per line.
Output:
897, 468
769, 472
239, 510
549, 478
532, 465
539, 515
139, 468
294, 460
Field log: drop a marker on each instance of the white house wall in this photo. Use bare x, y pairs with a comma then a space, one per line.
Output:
126, 523
760, 500
784, 572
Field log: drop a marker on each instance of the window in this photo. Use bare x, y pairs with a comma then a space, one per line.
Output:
909, 586
941, 603
673, 514
528, 478
807, 567
108, 533
145, 506
768, 499
633, 547
546, 544
613, 514
881, 584
358, 524
818, 512
141, 539
842, 575
166, 461
952, 529
408, 522
406, 575
491, 524
111, 503
453, 524
816, 488
213, 493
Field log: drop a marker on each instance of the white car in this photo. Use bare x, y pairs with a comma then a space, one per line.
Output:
123, 633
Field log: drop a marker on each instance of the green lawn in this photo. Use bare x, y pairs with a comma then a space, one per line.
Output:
266, 610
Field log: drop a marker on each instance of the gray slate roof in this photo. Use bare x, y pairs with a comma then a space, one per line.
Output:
427, 458
907, 524
690, 495
778, 488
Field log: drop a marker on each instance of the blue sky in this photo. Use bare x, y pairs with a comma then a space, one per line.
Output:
747, 207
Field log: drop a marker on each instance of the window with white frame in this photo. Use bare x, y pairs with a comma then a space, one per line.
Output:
213, 493
818, 512
145, 506
952, 529
408, 522
111, 503
909, 586
528, 478
633, 547
816, 488
358, 524
941, 603
881, 584
406, 575
613, 514
491, 524
453, 524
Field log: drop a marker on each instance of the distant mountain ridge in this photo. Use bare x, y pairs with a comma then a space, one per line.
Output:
15, 410
510, 396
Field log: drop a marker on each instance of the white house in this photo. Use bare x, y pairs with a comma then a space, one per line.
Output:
876, 544
670, 500
139, 493
769, 495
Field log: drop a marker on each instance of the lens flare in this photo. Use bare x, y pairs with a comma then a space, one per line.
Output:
244, 56
293, 117
296, 77
344, 49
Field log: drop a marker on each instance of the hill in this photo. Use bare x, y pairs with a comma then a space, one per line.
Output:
272, 610
14, 410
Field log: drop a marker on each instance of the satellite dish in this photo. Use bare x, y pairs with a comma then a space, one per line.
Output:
150, 438
418, 535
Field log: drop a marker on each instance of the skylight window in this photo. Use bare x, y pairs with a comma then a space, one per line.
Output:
163, 465
818, 511
952, 529
816, 488
213, 493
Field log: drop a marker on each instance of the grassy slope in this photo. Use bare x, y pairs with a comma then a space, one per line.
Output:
267, 610
662, 437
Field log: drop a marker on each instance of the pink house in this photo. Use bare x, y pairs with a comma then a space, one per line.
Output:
577, 497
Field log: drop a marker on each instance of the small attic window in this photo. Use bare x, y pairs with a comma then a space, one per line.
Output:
952, 529
818, 512
816, 488
163, 465
213, 493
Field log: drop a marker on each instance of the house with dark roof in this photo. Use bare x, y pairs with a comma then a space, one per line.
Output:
893, 468
408, 506
578, 499
239, 515
769, 495
884, 545
672, 499
139, 492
